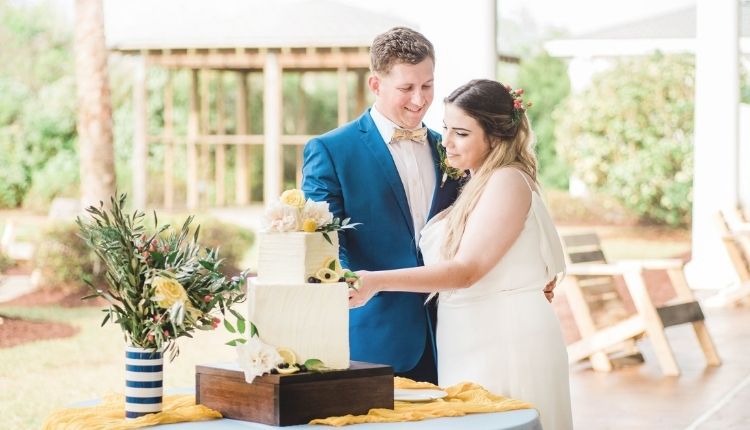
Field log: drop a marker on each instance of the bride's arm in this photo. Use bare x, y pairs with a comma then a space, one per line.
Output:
491, 230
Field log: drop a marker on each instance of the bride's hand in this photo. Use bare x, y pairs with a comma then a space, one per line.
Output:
361, 292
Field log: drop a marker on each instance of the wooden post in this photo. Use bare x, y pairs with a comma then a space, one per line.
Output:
272, 102
169, 141
343, 93
361, 90
220, 148
193, 130
301, 127
204, 169
240, 169
140, 144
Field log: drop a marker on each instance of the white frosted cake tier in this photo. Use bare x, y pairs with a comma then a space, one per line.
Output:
291, 258
310, 319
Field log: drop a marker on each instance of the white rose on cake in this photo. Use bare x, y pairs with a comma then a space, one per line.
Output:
256, 358
318, 212
282, 218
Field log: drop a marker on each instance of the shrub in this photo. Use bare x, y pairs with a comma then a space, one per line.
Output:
5, 261
629, 135
545, 82
232, 241
63, 258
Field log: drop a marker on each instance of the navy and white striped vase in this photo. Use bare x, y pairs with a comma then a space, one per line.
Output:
143, 381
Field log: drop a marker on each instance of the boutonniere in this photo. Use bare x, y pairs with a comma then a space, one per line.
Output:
448, 171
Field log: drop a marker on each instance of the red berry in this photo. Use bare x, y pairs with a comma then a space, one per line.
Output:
519, 91
150, 337
166, 333
207, 298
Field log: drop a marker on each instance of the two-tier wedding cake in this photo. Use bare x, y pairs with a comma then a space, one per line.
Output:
299, 300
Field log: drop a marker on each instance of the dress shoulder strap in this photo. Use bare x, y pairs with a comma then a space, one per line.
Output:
525, 180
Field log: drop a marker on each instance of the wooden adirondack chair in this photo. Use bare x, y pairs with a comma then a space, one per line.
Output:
736, 238
602, 317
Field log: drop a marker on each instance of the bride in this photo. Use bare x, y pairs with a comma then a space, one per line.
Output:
486, 257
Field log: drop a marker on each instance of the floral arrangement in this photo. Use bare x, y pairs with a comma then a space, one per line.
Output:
160, 286
518, 105
448, 171
293, 212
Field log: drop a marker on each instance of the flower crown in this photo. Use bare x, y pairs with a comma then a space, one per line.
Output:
518, 105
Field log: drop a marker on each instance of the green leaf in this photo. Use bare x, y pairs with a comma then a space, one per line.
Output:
326, 237
229, 326
332, 265
241, 326
314, 365
253, 330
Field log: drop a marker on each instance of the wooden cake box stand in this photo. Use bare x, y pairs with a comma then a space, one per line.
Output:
283, 400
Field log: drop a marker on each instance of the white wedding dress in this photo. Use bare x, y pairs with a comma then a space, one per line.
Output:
501, 332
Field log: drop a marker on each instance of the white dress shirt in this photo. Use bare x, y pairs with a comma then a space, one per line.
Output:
416, 168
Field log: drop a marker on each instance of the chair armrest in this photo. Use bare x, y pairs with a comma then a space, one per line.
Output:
656, 264
594, 269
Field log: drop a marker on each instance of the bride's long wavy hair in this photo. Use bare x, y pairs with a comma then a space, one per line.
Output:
511, 144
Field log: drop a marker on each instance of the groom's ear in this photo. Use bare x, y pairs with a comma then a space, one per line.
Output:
374, 83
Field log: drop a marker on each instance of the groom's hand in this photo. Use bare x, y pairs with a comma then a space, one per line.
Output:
549, 292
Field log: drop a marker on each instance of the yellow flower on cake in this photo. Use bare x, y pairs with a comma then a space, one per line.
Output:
294, 198
309, 225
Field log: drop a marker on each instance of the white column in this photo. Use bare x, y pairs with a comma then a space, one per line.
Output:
464, 36
272, 159
140, 144
715, 183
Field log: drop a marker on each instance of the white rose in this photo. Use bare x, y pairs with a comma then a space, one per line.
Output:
317, 211
279, 217
256, 358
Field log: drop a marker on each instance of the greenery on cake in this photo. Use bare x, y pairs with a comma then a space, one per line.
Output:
257, 358
293, 212
160, 285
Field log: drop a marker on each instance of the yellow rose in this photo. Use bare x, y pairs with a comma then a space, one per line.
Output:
309, 225
168, 292
294, 198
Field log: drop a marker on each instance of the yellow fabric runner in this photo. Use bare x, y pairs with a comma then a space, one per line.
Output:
110, 414
462, 399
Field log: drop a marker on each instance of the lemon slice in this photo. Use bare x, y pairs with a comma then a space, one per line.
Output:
287, 355
289, 370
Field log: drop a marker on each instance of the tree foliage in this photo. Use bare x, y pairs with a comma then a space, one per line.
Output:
546, 84
37, 107
630, 135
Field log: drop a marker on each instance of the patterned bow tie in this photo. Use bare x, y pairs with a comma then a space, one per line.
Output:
418, 135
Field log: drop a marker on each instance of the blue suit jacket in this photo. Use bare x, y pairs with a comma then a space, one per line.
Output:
352, 169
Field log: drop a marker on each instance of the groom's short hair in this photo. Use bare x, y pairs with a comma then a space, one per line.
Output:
399, 45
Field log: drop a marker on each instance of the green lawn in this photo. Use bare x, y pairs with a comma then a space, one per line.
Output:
38, 377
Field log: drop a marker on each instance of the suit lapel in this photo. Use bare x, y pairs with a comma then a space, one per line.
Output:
378, 149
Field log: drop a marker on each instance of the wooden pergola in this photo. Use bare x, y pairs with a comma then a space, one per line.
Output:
319, 47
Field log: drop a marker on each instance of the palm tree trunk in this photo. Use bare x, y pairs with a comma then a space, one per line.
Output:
95, 143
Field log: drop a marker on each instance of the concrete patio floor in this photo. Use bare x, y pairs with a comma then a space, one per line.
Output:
705, 398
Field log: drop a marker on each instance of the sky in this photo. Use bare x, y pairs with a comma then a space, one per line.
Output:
576, 16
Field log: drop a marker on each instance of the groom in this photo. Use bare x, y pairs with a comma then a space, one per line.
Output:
382, 170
